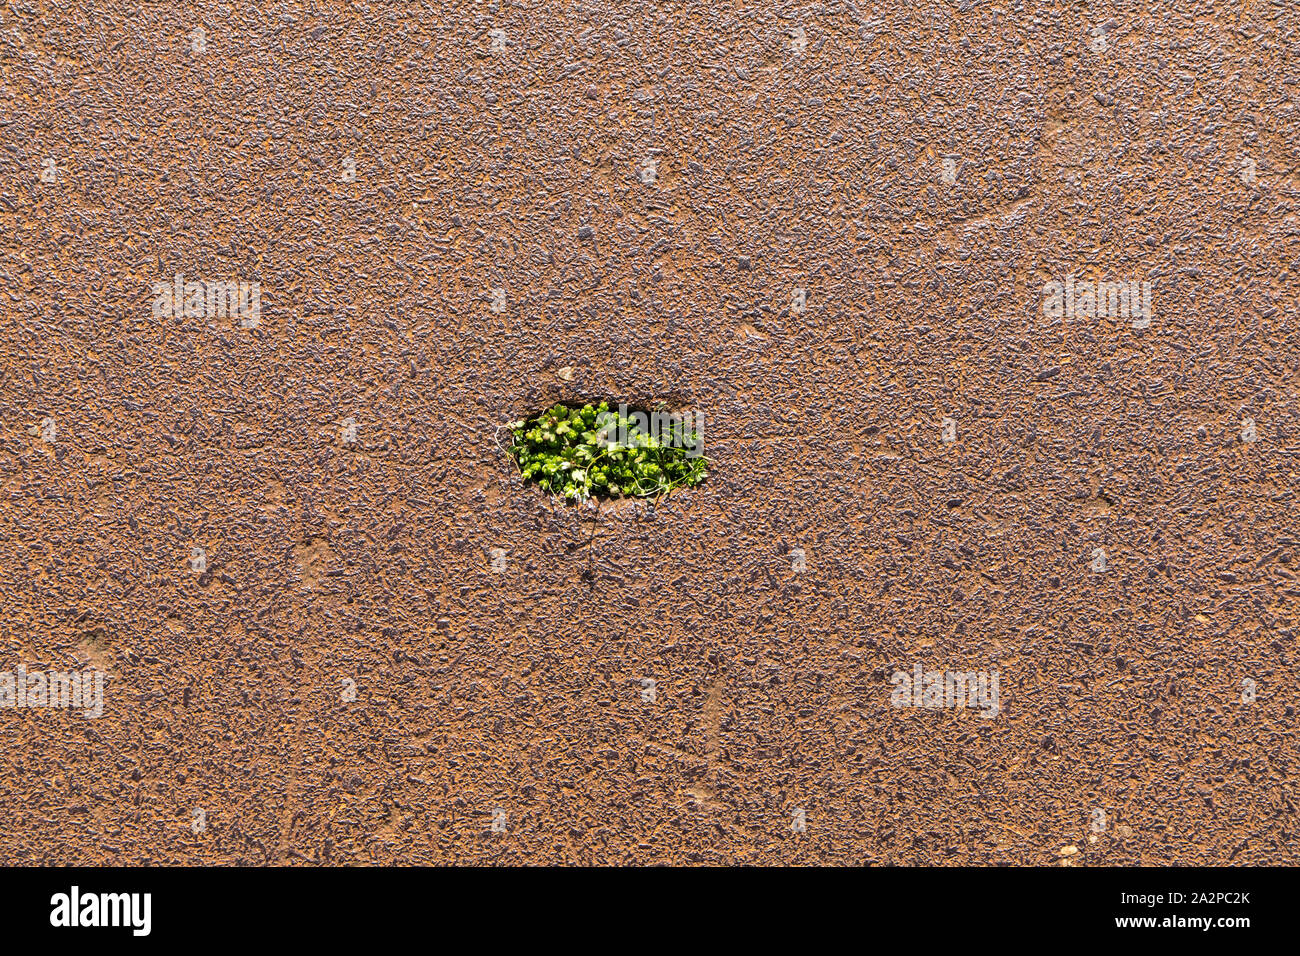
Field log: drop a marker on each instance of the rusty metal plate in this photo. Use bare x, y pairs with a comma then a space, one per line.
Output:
989, 311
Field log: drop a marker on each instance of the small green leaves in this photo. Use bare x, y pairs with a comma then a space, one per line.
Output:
572, 452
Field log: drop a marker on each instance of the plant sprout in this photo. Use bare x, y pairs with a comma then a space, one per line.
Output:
573, 453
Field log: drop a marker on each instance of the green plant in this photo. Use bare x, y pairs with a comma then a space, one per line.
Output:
586, 452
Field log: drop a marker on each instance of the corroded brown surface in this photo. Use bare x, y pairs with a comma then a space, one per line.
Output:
1103, 143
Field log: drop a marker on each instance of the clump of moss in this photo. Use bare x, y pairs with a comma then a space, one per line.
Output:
579, 453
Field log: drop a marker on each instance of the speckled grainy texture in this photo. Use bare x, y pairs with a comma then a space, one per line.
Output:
1113, 142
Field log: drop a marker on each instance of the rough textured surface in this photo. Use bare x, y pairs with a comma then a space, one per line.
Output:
1101, 143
